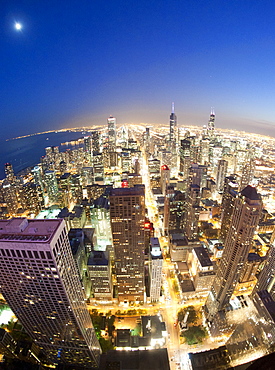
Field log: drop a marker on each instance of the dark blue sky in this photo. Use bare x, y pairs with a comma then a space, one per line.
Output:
76, 62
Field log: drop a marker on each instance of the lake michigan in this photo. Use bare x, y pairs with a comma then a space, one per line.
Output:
27, 151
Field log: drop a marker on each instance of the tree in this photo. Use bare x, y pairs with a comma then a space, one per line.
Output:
192, 314
106, 345
194, 335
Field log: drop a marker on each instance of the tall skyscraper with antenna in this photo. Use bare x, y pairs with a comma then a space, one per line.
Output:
173, 125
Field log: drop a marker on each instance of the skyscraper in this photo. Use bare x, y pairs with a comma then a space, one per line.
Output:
221, 174
230, 192
111, 121
88, 148
40, 282
155, 269
245, 218
211, 124
127, 213
51, 186
192, 212
164, 178
173, 126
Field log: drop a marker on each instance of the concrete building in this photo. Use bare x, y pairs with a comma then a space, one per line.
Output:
40, 282
100, 272
127, 214
155, 269
245, 218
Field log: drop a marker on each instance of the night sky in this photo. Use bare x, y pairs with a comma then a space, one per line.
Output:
76, 62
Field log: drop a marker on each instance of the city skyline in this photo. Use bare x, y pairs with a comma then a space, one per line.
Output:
73, 65
148, 220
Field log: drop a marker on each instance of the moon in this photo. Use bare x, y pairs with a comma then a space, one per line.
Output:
18, 26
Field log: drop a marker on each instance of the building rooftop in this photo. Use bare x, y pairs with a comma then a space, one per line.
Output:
98, 258
136, 190
22, 229
202, 256
250, 192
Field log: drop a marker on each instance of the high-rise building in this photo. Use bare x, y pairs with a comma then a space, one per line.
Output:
245, 218
127, 213
40, 282
185, 157
155, 269
164, 178
95, 141
51, 186
211, 124
111, 121
221, 174
37, 176
173, 126
88, 149
230, 192
191, 217
266, 279
9, 173
100, 272
204, 151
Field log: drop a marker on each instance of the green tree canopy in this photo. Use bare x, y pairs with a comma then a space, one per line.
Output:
194, 335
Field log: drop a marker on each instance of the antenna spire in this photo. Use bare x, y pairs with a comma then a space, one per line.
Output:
173, 107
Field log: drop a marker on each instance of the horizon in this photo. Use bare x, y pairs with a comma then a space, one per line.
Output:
65, 64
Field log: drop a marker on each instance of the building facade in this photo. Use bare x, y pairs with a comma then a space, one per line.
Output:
245, 219
40, 282
127, 213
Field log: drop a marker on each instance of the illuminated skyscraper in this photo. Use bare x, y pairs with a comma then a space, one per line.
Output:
127, 213
155, 269
245, 218
88, 148
164, 178
221, 174
211, 124
95, 141
266, 279
9, 173
40, 282
173, 126
51, 186
192, 212
230, 192
111, 133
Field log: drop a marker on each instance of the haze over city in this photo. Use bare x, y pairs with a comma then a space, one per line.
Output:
72, 64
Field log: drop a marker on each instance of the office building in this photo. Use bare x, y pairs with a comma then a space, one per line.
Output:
266, 278
164, 178
111, 121
100, 273
221, 174
127, 213
51, 186
230, 192
173, 127
95, 142
155, 269
246, 214
211, 124
40, 282
191, 217
88, 149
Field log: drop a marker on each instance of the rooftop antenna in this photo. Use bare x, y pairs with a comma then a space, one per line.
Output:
173, 107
